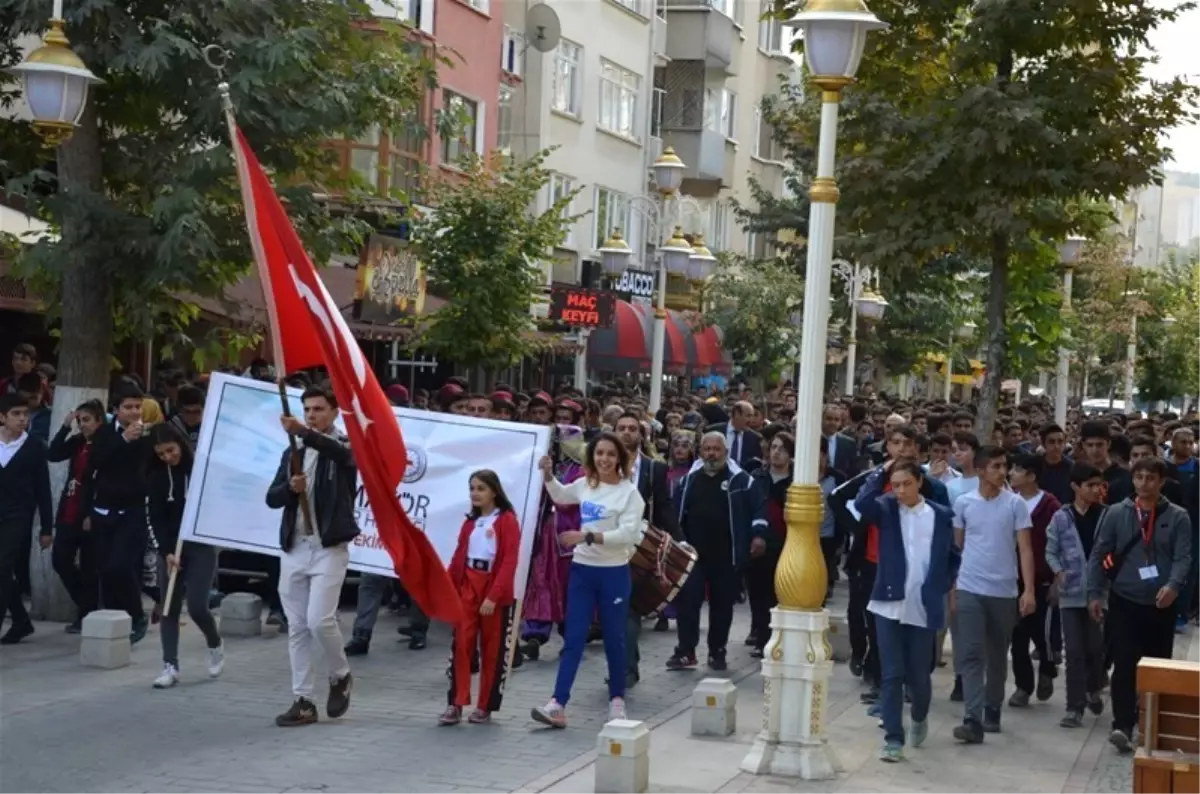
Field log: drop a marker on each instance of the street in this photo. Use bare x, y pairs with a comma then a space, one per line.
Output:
68, 728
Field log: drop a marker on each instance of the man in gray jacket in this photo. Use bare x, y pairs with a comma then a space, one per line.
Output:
1140, 560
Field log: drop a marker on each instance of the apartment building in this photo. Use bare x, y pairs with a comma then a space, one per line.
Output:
468, 34
628, 78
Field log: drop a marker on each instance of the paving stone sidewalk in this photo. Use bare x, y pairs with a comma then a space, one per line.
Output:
67, 728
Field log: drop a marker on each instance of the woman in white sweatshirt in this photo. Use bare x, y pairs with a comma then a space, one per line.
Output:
611, 527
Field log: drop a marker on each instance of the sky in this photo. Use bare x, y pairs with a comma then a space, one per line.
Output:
1176, 46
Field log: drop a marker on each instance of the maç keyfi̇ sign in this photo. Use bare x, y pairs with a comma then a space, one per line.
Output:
582, 307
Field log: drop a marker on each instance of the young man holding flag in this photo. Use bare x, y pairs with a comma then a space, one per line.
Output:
307, 330
317, 498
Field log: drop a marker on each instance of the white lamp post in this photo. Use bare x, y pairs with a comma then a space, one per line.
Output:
863, 301
799, 659
702, 263
615, 253
56, 83
964, 331
1131, 350
1068, 254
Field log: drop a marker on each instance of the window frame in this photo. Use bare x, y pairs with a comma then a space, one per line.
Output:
477, 128
558, 185
616, 203
614, 82
574, 95
511, 49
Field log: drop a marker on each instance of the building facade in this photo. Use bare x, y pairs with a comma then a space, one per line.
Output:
627, 79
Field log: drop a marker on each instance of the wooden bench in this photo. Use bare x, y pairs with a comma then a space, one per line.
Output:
1168, 754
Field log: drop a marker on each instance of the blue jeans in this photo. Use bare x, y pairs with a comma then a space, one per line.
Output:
594, 589
905, 657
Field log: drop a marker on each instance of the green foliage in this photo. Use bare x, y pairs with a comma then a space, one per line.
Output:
1168, 362
1034, 311
1103, 300
481, 247
755, 303
167, 223
977, 128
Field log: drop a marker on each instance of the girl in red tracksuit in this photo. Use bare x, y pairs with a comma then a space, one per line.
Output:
483, 568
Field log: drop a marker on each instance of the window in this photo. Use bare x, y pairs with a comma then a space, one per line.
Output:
765, 145
479, 5
728, 114
389, 161
511, 52
611, 212
657, 101
467, 114
618, 100
760, 245
633, 5
418, 13
720, 111
770, 35
568, 74
559, 187
718, 224
504, 119
730, 8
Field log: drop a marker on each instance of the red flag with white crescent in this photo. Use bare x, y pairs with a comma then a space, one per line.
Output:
307, 330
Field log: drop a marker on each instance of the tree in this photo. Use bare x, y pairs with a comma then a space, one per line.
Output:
975, 126
1168, 362
143, 194
481, 248
755, 302
1103, 299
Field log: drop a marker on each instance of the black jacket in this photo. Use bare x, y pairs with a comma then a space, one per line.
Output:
166, 492
119, 469
845, 455
334, 491
25, 488
64, 447
656, 493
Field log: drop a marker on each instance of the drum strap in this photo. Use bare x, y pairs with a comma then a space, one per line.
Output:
660, 567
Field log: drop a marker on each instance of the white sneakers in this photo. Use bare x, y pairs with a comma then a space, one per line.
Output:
215, 663
168, 678
616, 709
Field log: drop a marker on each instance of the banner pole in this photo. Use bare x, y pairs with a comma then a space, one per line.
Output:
297, 459
174, 573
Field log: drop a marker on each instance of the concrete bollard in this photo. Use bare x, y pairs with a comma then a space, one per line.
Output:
241, 615
839, 638
714, 708
105, 639
623, 758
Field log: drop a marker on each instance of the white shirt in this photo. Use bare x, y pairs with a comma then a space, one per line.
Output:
635, 471
481, 545
916, 525
614, 511
9, 449
1033, 501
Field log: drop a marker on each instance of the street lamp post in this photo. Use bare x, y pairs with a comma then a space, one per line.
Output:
964, 331
676, 255
863, 300
799, 659
1069, 253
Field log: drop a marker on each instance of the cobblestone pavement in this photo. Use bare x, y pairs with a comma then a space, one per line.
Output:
67, 728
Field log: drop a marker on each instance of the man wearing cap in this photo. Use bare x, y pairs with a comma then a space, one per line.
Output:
538, 411
503, 407
397, 394
568, 412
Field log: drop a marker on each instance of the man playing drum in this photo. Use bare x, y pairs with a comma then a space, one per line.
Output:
650, 477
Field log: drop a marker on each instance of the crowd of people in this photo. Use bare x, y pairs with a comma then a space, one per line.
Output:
1051, 546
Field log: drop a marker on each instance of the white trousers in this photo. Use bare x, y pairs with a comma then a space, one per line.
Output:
310, 583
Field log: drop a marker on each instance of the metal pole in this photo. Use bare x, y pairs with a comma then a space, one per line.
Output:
1062, 378
1130, 362
660, 317
852, 348
581, 361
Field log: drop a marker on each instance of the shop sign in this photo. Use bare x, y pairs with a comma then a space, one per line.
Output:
582, 307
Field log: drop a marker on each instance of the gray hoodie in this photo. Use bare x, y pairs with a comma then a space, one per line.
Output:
1171, 545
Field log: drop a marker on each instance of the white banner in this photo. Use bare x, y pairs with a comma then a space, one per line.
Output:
241, 444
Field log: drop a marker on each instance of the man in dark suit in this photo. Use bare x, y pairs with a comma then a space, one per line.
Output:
843, 454
651, 478
743, 443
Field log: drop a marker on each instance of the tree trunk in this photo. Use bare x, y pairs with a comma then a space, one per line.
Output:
997, 338
85, 347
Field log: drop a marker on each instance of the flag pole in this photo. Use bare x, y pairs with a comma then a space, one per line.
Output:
216, 58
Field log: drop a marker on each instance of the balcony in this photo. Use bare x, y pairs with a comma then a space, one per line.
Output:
660, 38
697, 31
692, 127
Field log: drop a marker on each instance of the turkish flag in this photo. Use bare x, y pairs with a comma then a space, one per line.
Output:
307, 330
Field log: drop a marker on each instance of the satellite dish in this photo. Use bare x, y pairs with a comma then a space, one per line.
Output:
542, 28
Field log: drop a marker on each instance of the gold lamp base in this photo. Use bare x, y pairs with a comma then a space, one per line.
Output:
53, 133
801, 578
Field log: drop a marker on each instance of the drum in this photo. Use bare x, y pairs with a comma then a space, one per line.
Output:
660, 566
